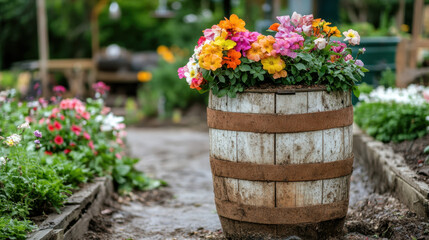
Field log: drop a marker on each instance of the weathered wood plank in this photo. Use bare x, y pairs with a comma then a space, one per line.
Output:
348, 141
252, 103
333, 100
216, 103
223, 144
255, 148
333, 144
292, 104
256, 193
335, 189
298, 194
315, 102
296, 148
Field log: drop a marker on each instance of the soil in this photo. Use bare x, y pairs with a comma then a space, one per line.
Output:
412, 151
185, 209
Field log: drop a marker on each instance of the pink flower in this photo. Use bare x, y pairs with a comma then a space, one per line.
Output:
67, 151
118, 156
59, 90
86, 136
359, 63
119, 141
201, 41
340, 48
76, 129
212, 33
244, 40
289, 42
58, 140
120, 126
105, 110
86, 115
181, 72
348, 57
285, 26
91, 145
426, 95
57, 125
100, 87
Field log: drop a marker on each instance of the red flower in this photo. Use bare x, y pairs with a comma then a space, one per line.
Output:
72, 144
76, 129
91, 145
66, 151
86, 136
48, 153
58, 140
57, 125
51, 127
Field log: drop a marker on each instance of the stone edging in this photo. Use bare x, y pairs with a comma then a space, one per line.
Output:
73, 221
390, 173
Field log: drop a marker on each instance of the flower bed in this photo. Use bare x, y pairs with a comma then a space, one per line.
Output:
399, 117
50, 148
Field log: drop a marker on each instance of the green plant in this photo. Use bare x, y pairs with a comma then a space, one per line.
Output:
365, 88
388, 78
390, 121
14, 229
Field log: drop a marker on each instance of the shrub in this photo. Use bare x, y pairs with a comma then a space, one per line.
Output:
390, 121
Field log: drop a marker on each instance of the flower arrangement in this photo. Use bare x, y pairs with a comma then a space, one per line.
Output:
229, 58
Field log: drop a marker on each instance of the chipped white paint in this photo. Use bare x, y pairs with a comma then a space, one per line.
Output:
256, 193
223, 144
333, 144
335, 189
291, 104
333, 100
348, 141
297, 148
255, 147
299, 194
216, 103
252, 103
315, 103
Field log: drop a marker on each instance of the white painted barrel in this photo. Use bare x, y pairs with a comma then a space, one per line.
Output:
281, 162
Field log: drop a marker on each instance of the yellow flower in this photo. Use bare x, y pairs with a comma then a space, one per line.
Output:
273, 64
224, 44
209, 49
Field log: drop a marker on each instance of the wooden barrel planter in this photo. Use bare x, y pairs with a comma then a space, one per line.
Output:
281, 162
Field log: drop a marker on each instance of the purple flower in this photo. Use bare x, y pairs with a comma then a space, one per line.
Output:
37, 134
37, 141
244, 40
359, 63
285, 26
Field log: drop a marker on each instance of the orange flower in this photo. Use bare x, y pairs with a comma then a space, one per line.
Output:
210, 62
274, 27
211, 49
332, 31
254, 53
234, 24
281, 74
267, 44
233, 59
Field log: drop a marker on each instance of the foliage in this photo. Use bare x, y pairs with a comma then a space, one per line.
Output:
229, 58
390, 121
388, 78
14, 229
365, 88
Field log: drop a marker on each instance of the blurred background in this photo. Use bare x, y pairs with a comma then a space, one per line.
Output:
136, 46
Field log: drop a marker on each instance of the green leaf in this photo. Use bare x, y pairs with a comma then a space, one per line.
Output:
244, 78
426, 151
244, 68
300, 66
222, 92
221, 78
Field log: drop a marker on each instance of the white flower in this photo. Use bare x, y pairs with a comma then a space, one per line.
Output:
111, 122
24, 126
12, 140
413, 94
193, 70
352, 36
296, 18
307, 29
320, 43
2, 161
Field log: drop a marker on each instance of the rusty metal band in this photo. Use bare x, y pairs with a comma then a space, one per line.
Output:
278, 215
279, 123
281, 173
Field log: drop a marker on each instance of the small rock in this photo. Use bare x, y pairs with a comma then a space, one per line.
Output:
424, 171
118, 217
106, 211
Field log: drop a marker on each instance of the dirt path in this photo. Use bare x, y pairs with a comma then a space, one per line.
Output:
180, 157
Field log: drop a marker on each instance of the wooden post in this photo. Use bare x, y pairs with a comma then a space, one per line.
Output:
43, 45
417, 30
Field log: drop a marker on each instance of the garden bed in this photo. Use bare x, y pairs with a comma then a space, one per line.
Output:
391, 172
75, 216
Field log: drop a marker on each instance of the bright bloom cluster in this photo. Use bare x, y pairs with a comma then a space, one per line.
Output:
228, 44
413, 94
